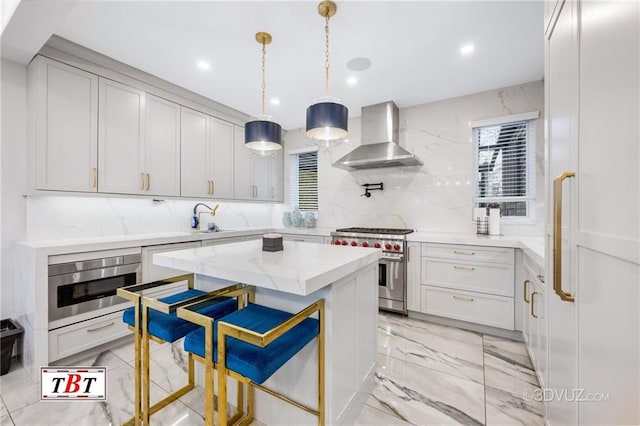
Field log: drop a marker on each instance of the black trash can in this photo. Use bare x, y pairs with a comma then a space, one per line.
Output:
10, 331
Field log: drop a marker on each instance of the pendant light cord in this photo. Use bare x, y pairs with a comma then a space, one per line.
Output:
264, 85
326, 55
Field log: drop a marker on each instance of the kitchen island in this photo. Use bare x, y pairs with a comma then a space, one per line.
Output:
290, 280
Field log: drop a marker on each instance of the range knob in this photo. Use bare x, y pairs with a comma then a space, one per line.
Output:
365, 244
353, 244
387, 246
377, 245
344, 242
337, 242
396, 247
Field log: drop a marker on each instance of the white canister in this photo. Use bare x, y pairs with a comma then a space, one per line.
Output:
494, 221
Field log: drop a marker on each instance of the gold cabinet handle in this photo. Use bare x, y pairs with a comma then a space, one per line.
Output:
466, 299
557, 236
533, 310
468, 268
526, 290
468, 253
148, 181
208, 187
100, 327
213, 187
541, 278
95, 178
141, 181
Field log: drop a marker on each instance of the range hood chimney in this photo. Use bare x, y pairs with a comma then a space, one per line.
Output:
379, 146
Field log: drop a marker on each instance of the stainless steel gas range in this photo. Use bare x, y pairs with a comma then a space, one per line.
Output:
392, 274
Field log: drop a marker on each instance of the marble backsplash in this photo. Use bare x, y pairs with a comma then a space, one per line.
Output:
438, 195
61, 217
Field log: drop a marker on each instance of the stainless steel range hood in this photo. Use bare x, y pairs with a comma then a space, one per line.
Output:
379, 146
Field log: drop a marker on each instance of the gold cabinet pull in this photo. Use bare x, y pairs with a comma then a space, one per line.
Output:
526, 290
466, 299
468, 253
213, 187
533, 310
148, 181
541, 278
208, 187
468, 268
141, 181
100, 327
95, 178
557, 236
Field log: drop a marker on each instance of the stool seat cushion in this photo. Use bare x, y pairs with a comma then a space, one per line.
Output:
249, 360
169, 327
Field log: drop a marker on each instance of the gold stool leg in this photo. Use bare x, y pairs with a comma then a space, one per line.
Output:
146, 398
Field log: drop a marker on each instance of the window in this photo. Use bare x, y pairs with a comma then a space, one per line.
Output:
303, 180
505, 167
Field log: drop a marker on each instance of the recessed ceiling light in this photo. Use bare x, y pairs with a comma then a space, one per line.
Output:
467, 49
204, 65
359, 64
352, 81
275, 101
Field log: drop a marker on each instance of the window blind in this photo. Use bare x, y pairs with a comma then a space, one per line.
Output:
505, 168
304, 181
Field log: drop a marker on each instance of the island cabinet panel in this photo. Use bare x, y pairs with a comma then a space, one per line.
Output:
121, 139
413, 276
64, 107
469, 283
162, 147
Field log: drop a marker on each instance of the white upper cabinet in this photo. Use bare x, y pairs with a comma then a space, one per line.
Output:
121, 139
162, 147
193, 154
65, 102
221, 158
256, 178
207, 156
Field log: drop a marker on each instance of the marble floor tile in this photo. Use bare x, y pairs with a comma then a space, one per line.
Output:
126, 352
516, 351
422, 395
509, 371
432, 350
412, 325
505, 409
373, 416
6, 421
117, 409
3, 408
104, 359
18, 390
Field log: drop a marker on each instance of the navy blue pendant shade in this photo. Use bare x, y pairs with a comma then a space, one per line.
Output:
327, 121
263, 136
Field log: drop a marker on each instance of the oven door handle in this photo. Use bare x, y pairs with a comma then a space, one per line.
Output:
393, 258
94, 274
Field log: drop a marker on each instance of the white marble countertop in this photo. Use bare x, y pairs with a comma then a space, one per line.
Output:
533, 246
301, 268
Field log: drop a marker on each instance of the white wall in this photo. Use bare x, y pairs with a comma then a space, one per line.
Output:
13, 120
436, 196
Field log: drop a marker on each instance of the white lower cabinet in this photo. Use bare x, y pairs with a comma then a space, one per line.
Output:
75, 338
462, 282
534, 324
479, 308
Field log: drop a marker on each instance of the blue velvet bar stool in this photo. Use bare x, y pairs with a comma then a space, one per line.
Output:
250, 345
152, 319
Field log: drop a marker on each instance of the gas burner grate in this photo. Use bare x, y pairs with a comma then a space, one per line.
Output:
390, 231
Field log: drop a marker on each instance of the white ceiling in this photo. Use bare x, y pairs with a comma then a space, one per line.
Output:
413, 46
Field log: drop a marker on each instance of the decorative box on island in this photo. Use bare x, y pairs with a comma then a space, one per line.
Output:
271, 242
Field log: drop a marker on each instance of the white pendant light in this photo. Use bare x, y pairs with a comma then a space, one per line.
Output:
327, 119
263, 136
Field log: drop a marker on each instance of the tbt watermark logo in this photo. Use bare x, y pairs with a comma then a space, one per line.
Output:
82, 383
571, 395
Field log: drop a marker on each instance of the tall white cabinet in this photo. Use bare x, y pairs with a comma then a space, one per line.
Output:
206, 155
257, 178
162, 147
593, 110
64, 126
